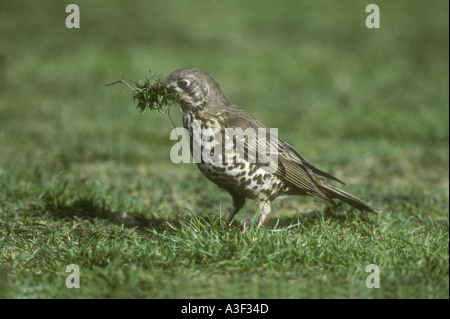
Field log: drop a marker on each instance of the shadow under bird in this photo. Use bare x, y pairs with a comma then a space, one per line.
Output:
205, 106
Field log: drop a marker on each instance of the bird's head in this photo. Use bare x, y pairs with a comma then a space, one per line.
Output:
195, 89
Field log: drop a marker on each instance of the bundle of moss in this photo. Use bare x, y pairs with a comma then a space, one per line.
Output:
151, 94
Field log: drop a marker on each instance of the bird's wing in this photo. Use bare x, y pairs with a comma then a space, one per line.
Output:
289, 167
295, 156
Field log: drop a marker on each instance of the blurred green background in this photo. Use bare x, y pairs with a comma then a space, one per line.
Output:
371, 106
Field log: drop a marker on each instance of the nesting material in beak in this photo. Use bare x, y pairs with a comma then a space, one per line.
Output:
152, 94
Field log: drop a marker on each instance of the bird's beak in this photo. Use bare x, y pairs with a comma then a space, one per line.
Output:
167, 84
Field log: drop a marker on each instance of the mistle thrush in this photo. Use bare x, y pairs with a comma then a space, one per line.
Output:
242, 174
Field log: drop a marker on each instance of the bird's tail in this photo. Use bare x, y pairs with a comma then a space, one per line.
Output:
335, 192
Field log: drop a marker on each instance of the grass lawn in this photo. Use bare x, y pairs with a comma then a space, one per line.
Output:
86, 179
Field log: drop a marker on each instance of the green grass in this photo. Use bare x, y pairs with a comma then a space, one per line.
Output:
86, 179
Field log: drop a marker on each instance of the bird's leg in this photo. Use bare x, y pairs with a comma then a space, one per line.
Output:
264, 207
238, 203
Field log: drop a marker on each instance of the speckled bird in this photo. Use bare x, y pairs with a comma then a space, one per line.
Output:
203, 104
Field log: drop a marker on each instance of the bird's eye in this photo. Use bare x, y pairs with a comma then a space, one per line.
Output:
182, 84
